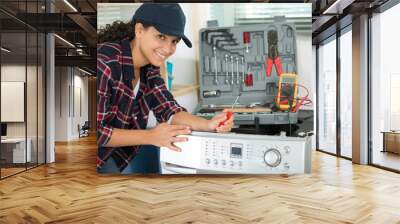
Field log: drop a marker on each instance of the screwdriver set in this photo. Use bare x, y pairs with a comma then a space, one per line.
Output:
246, 61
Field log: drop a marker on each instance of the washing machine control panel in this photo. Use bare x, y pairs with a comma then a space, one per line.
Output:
240, 153
251, 156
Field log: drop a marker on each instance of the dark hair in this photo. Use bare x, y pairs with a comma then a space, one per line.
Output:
118, 31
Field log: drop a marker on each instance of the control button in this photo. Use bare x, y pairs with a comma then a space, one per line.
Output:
208, 161
223, 162
272, 157
215, 161
286, 166
232, 163
287, 149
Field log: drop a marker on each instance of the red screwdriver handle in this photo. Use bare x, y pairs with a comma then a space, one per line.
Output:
229, 114
246, 37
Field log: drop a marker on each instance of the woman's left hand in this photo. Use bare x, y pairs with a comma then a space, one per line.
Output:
222, 122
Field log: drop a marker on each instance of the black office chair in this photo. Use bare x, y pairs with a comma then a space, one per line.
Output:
84, 130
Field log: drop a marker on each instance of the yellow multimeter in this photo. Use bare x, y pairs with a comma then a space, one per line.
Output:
287, 92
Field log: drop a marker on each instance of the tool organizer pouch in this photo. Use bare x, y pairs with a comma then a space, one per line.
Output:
247, 60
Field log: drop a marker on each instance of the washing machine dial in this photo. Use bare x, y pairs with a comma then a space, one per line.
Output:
272, 157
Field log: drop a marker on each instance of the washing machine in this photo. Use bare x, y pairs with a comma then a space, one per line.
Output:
232, 153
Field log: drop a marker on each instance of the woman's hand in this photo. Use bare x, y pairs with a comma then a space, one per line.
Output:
164, 135
222, 122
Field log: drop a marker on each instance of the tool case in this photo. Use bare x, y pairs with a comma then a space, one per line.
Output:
246, 60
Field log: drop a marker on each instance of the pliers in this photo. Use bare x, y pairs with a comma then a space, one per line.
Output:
273, 54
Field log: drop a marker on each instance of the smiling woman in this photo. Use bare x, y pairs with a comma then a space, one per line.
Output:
130, 86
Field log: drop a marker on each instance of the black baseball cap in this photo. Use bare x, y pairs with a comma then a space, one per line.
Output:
166, 18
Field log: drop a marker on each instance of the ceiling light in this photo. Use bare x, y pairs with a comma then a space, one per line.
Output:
65, 41
5, 49
70, 5
86, 72
338, 6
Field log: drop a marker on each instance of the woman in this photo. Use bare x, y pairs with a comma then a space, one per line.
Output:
130, 86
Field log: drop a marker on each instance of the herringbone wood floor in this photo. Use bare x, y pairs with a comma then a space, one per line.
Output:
70, 191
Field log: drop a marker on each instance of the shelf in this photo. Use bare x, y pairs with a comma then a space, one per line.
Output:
180, 90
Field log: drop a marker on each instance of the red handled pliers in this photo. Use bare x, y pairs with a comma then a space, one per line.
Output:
273, 54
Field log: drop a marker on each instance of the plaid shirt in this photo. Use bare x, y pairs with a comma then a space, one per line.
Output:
117, 105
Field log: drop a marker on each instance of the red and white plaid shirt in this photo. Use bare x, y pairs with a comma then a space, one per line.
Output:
117, 104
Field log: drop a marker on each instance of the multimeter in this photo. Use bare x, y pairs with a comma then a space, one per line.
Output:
287, 92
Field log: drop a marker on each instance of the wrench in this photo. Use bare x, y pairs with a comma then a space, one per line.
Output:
232, 69
242, 69
226, 67
215, 63
237, 70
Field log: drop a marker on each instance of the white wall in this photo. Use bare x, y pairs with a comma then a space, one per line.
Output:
12, 73
33, 126
185, 59
189, 101
314, 74
67, 115
80, 83
305, 66
314, 96
61, 103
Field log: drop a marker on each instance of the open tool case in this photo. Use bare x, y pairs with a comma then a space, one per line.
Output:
246, 60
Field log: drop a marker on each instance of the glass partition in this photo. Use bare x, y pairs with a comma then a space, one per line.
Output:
346, 93
385, 89
327, 96
22, 88
13, 95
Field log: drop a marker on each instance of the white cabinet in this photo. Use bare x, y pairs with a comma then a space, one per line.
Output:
15, 148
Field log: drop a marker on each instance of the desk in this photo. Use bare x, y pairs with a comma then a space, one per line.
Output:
391, 141
13, 150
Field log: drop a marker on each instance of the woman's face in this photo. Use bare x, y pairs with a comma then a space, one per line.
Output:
155, 46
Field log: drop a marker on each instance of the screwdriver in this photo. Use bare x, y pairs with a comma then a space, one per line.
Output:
229, 114
246, 40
